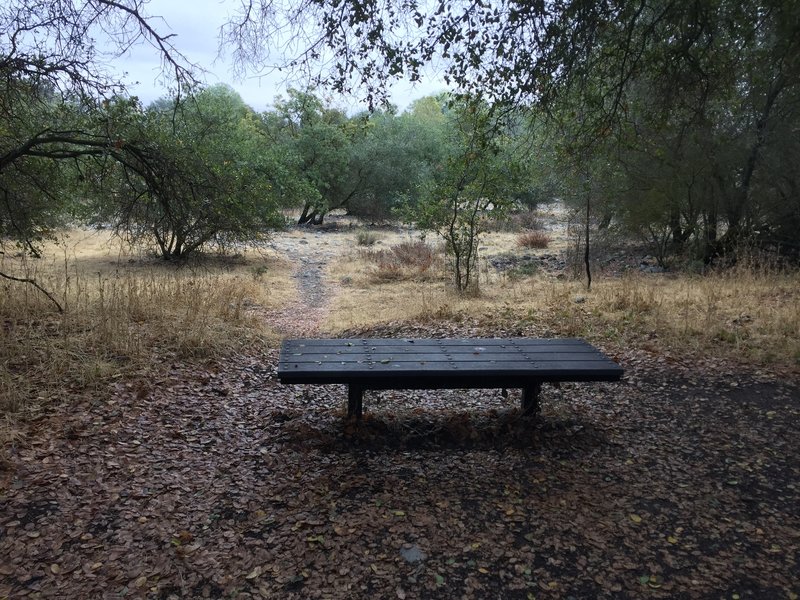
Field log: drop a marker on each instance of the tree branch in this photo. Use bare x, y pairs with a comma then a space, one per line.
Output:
36, 285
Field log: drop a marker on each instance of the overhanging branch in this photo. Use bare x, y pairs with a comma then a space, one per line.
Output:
36, 285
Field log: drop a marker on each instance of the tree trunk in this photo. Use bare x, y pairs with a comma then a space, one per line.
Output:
586, 254
709, 235
678, 234
311, 216
307, 215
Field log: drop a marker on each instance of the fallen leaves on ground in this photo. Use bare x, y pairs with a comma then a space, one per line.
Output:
214, 481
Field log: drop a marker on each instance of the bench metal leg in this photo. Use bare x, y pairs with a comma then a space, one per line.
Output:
530, 399
355, 393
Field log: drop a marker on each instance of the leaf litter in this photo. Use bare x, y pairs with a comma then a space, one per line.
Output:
618, 490
214, 481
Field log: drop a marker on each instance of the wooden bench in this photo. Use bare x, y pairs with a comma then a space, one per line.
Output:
375, 364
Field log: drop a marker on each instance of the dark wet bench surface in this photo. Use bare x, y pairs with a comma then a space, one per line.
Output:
368, 363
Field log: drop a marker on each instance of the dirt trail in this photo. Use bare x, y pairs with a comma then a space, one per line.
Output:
310, 253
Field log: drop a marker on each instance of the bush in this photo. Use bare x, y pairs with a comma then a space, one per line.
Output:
401, 261
414, 254
366, 238
520, 221
533, 239
527, 221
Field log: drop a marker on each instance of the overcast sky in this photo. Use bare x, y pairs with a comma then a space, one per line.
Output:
196, 24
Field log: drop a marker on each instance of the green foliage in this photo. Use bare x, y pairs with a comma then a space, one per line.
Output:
43, 140
52, 87
395, 160
701, 162
191, 173
478, 180
676, 120
318, 138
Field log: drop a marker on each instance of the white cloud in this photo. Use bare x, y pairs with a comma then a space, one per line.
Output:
196, 24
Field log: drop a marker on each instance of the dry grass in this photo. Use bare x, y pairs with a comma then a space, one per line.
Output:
743, 315
365, 237
494, 243
370, 304
372, 296
740, 315
533, 239
123, 314
527, 221
406, 260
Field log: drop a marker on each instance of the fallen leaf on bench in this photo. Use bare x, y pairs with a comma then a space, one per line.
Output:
635, 518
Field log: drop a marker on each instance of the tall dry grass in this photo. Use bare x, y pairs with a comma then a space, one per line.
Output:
407, 260
745, 314
122, 315
533, 239
748, 314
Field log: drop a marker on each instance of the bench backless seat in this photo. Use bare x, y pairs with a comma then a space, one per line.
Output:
370, 363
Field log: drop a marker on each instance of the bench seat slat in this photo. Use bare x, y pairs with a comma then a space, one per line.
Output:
439, 380
450, 343
377, 357
442, 363
296, 370
346, 361
459, 351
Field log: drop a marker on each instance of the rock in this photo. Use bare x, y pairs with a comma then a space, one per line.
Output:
412, 553
580, 299
651, 268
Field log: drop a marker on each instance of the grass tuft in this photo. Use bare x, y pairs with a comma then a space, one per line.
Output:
366, 237
533, 239
403, 261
